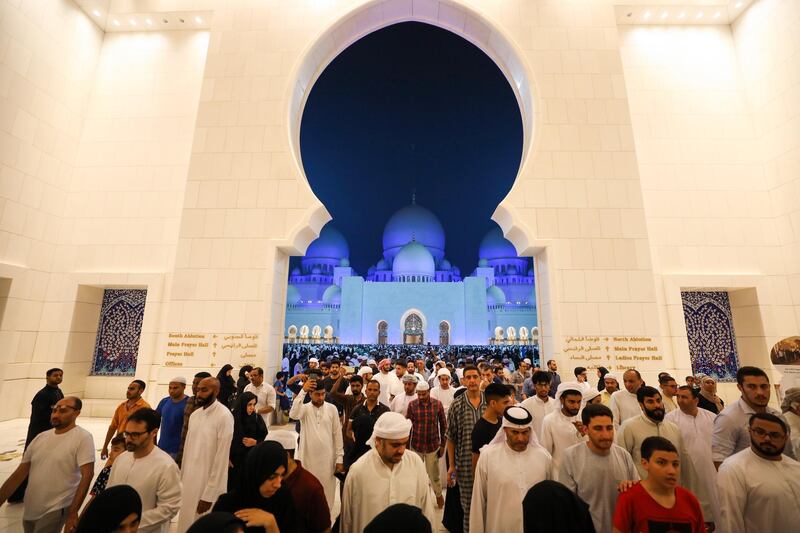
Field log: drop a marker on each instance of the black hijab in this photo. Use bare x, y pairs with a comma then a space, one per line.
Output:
109, 508
245, 425
262, 462
601, 383
550, 507
217, 523
399, 518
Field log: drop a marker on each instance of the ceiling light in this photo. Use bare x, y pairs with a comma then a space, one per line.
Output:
116, 22
700, 15
717, 15
149, 22
198, 20
96, 13
682, 15
647, 15
132, 22
664, 15
739, 4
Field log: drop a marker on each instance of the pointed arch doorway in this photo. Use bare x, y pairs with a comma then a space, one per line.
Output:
413, 327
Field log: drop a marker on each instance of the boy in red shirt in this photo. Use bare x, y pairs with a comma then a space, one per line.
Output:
658, 504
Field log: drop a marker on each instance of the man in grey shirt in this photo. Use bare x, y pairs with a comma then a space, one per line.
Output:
598, 469
731, 425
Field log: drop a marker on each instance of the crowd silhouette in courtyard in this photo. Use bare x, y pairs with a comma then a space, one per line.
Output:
415, 439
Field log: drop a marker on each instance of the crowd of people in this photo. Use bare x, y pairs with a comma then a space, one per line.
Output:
395, 434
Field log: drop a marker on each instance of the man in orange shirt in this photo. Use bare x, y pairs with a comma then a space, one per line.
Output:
133, 403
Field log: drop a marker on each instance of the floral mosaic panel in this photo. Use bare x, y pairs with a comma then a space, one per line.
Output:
712, 341
118, 334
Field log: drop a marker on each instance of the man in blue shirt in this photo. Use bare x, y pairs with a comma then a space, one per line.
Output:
171, 410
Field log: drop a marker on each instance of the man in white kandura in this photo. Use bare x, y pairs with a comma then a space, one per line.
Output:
697, 426
540, 404
507, 467
321, 449
624, 403
384, 476
400, 401
759, 487
205, 455
150, 471
562, 429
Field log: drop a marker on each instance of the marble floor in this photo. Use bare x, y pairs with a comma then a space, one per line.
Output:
12, 441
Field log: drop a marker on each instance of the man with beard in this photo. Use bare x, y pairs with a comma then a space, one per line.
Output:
384, 476
171, 410
540, 404
624, 403
59, 465
611, 386
150, 470
134, 402
562, 429
730, 426
511, 464
650, 423
594, 469
348, 402
396, 384
321, 449
759, 487
400, 401
386, 379
41, 406
205, 458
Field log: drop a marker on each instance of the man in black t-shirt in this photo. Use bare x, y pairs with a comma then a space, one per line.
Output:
498, 397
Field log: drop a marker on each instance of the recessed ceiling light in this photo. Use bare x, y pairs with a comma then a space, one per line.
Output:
116, 22
717, 15
664, 15
700, 15
198, 20
739, 4
132, 22
682, 15
96, 13
647, 15
149, 22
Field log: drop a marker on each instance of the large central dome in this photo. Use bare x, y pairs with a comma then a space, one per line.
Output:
413, 223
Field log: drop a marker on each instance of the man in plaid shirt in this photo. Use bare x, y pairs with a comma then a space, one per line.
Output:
428, 434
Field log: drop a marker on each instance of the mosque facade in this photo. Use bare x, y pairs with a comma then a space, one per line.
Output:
412, 294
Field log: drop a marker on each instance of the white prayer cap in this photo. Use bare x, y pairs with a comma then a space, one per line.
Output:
591, 395
516, 416
364, 370
390, 425
443, 372
313, 360
285, 437
569, 385
423, 385
409, 378
611, 376
178, 379
372, 362
527, 361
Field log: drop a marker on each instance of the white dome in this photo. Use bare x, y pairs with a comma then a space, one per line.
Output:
495, 296
413, 223
292, 295
332, 295
414, 260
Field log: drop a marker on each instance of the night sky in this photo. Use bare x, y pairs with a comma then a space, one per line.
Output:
411, 106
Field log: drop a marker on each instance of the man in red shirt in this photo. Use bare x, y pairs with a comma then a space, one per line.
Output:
658, 504
428, 434
310, 506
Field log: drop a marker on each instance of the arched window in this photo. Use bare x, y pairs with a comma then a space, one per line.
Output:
383, 332
444, 333
413, 330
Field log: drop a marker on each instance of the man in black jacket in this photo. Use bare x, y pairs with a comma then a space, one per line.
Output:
41, 406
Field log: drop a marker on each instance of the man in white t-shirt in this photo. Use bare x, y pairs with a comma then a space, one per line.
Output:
443, 391
150, 471
264, 392
59, 464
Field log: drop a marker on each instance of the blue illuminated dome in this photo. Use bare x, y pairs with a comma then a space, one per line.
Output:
413, 223
495, 246
292, 295
332, 295
414, 259
445, 265
495, 296
329, 245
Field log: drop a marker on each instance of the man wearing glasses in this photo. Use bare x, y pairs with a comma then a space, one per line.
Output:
759, 487
149, 470
59, 465
42, 403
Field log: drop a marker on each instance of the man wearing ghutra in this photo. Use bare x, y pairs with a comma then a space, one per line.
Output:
511, 464
384, 476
